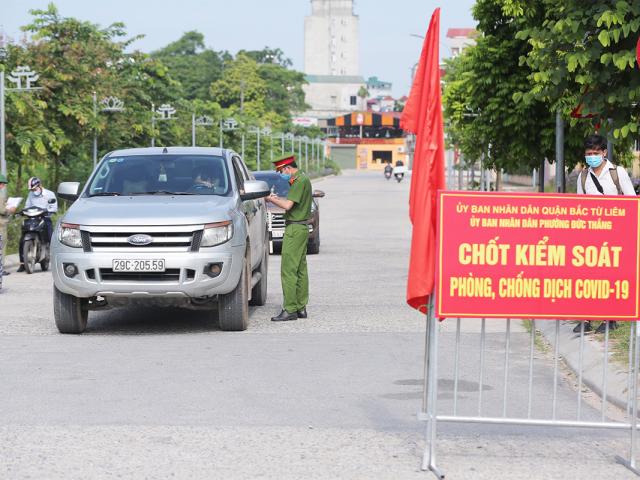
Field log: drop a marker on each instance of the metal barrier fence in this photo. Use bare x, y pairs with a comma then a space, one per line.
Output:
504, 414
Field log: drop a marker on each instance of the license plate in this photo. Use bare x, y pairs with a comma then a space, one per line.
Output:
277, 234
156, 265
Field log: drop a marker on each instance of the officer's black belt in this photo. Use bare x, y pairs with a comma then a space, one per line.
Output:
299, 222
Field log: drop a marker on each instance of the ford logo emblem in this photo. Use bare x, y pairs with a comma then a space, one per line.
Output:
140, 239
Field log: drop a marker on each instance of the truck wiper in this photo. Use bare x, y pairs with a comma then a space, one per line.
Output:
105, 194
161, 192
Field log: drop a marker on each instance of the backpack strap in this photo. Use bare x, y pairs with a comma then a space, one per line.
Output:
614, 176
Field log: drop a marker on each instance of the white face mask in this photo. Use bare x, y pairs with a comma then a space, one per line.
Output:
37, 193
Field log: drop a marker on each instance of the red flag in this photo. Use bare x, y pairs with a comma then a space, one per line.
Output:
422, 115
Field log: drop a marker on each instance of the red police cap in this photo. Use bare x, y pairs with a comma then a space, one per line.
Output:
284, 161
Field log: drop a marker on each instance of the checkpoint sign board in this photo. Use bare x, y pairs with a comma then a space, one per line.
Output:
504, 255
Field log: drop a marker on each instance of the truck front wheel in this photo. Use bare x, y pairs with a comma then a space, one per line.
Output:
259, 291
69, 312
233, 308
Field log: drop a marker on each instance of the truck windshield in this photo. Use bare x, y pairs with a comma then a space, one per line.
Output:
161, 175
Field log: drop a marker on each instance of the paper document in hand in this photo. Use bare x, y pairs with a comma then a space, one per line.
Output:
13, 202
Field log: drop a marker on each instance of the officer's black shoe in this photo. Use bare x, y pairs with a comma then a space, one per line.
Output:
302, 313
5, 273
285, 316
21, 268
602, 327
587, 327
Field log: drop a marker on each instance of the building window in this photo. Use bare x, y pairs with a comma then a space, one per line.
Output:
353, 100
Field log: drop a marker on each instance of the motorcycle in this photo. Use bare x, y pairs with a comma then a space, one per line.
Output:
388, 171
399, 172
35, 239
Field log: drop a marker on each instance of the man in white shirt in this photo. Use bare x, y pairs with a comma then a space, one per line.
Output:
45, 199
601, 177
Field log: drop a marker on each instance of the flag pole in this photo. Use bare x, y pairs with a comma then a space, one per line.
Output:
427, 343
431, 391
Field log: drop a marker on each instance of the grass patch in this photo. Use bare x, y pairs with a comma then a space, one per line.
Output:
619, 342
540, 341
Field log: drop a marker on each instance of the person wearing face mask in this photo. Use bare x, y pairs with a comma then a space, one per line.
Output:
293, 272
42, 198
601, 177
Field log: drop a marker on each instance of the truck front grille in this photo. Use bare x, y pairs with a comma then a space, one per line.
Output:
164, 239
276, 220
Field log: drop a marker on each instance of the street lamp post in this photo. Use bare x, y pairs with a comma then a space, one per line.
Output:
201, 121
165, 112
291, 136
17, 76
259, 131
227, 125
306, 153
109, 104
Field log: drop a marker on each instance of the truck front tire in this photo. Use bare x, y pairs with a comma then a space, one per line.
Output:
69, 312
233, 308
259, 291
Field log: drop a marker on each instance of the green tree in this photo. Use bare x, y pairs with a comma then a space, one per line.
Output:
50, 133
192, 64
481, 84
272, 56
583, 53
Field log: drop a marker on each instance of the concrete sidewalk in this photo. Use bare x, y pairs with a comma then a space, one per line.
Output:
617, 382
11, 261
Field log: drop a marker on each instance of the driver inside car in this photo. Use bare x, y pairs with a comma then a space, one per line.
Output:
203, 180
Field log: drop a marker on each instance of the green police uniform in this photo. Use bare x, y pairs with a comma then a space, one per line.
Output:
293, 272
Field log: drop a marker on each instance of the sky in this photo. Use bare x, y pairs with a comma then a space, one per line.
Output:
387, 48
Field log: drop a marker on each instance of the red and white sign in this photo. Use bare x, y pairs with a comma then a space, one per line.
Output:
305, 121
506, 255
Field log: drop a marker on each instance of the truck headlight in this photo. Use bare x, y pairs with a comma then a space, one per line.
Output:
217, 233
69, 235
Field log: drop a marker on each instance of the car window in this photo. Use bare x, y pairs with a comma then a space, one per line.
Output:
161, 174
239, 174
276, 183
243, 168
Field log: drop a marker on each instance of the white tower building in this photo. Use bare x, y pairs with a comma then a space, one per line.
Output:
331, 59
331, 39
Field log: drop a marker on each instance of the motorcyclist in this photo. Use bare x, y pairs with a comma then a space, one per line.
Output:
399, 170
42, 198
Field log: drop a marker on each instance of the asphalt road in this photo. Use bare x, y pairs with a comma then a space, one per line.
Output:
164, 394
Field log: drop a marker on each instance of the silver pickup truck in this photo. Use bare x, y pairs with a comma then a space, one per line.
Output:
176, 226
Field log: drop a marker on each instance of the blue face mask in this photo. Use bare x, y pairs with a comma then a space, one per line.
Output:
285, 176
594, 161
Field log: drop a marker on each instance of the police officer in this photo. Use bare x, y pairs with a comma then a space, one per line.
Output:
45, 199
293, 272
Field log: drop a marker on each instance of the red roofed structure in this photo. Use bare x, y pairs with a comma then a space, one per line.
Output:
462, 32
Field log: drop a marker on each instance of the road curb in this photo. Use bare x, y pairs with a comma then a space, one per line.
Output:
319, 179
592, 361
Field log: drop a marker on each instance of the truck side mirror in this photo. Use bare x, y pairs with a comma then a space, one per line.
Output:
255, 189
69, 191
